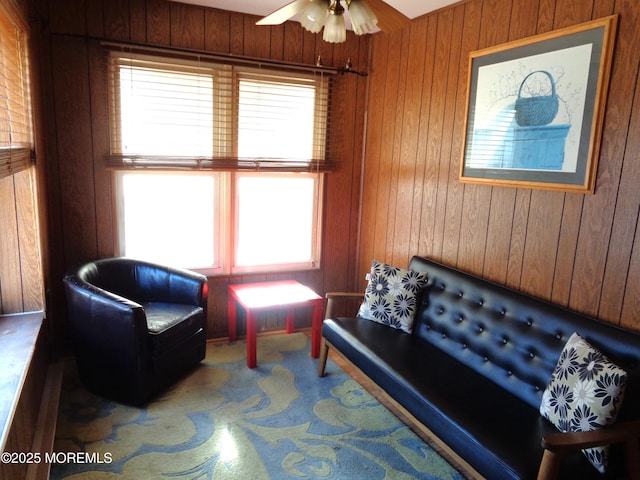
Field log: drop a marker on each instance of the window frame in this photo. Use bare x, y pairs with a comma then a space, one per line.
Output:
229, 170
225, 228
220, 221
316, 233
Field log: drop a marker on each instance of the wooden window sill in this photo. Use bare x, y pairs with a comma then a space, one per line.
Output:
18, 338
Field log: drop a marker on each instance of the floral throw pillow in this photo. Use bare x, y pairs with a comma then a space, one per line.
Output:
391, 295
584, 394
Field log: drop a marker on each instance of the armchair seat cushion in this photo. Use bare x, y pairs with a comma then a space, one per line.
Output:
168, 323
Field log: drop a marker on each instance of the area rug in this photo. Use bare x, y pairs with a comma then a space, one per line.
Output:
225, 421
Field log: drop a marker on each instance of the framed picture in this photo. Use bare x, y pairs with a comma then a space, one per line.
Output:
535, 109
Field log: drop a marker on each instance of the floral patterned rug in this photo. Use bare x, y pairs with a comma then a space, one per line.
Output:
225, 421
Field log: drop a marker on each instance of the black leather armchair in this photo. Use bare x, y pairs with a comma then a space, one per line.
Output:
136, 326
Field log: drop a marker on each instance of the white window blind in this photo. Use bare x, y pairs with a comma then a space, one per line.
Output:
15, 110
202, 114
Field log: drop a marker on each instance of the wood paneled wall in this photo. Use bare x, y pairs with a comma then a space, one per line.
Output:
21, 277
580, 251
21, 283
73, 104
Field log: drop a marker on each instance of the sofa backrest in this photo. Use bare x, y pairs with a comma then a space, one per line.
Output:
512, 338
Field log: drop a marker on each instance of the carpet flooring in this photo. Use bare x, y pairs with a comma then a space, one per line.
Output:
225, 421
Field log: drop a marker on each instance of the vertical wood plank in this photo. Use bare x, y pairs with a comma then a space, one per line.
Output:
385, 151
437, 93
627, 202
74, 146
423, 208
276, 46
10, 283
105, 235
236, 34
28, 241
397, 177
67, 16
631, 302
449, 164
158, 26
95, 18
138, 17
217, 25
370, 194
293, 35
456, 190
257, 38
599, 209
411, 169
187, 26
117, 22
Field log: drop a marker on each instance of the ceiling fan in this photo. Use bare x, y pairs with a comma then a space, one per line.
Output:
365, 16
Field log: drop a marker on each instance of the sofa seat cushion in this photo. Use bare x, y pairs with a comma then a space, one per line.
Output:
497, 433
168, 323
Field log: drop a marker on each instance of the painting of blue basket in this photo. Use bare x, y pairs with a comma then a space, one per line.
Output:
539, 109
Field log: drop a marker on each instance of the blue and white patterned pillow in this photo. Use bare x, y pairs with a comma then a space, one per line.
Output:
391, 295
584, 394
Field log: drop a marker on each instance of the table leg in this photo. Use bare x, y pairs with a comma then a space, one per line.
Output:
231, 313
316, 329
251, 339
290, 320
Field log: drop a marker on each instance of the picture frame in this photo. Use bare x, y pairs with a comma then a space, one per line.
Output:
535, 109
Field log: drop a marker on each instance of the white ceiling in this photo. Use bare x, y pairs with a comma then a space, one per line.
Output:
411, 8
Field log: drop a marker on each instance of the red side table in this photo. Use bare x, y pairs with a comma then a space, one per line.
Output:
260, 297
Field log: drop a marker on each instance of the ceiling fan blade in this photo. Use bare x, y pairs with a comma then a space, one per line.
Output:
283, 14
389, 19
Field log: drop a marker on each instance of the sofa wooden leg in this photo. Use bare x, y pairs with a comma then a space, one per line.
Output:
324, 352
549, 466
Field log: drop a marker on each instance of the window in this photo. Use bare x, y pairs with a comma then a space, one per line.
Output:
16, 142
218, 167
276, 220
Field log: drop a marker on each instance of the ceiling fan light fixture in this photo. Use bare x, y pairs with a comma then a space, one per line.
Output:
335, 30
363, 20
312, 17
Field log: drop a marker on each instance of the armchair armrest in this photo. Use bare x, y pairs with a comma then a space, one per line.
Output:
332, 296
558, 444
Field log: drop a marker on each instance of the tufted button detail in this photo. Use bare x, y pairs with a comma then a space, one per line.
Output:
464, 346
503, 312
485, 359
444, 336
480, 329
509, 373
460, 294
505, 341
532, 355
529, 322
460, 318
440, 310
559, 336
537, 388
480, 302
442, 287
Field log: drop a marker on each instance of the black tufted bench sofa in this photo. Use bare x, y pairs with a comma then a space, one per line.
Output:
474, 368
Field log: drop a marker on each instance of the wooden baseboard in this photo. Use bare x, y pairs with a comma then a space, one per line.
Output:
46, 424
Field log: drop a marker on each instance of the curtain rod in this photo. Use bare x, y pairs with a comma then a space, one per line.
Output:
228, 58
